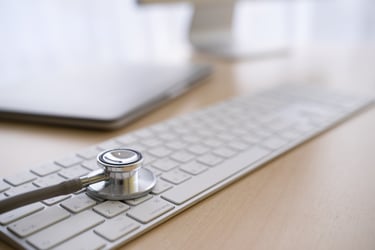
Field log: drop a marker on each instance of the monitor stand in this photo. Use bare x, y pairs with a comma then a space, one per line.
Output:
212, 31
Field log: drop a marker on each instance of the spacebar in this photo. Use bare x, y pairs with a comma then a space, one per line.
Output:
189, 189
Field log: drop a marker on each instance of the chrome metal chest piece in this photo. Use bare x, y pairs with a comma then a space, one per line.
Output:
125, 176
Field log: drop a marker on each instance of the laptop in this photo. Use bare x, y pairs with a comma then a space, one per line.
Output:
97, 97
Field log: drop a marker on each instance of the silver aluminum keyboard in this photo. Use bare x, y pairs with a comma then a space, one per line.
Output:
193, 155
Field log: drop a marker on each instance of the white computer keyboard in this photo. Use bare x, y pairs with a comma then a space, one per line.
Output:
193, 155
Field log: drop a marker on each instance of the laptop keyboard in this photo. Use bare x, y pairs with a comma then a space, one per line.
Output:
193, 156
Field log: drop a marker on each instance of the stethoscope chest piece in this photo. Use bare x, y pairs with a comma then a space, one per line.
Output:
127, 179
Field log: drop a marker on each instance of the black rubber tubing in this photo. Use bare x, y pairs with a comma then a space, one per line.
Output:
65, 187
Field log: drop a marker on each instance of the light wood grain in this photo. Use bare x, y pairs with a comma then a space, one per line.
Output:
318, 196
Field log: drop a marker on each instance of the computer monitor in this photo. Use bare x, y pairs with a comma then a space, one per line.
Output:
236, 29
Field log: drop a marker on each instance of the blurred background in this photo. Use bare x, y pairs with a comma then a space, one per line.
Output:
39, 35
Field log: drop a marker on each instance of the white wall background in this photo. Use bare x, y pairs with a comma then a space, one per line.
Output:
49, 34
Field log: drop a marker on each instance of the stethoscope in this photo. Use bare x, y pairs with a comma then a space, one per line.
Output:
120, 177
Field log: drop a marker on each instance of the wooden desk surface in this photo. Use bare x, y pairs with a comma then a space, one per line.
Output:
318, 196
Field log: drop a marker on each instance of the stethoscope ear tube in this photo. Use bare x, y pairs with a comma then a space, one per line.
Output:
65, 187
62, 188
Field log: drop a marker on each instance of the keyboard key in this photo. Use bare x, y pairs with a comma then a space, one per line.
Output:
210, 160
182, 156
116, 228
213, 143
280, 123
152, 142
73, 172
250, 125
2, 196
175, 176
154, 171
238, 145
85, 241
110, 209
64, 230
69, 161
165, 164
20, 178
226, 137
91, 164
160, 187
3, 186
38, 221
217, 127
181, 130
147, 158
198, 149
193, 168
263, 132
204, 133
57, 199
176, 145
225, 152
160, 151
89, 153
78, 203
20, 189
135, 202
239, 132
265, 117
251, 138
191, 138
195, 186
150, 210
49, 180
46, 169
13, 215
